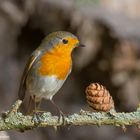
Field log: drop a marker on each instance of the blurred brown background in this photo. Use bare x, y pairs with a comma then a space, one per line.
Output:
110, 29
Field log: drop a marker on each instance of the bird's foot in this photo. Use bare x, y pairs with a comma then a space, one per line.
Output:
62, 117
37, 117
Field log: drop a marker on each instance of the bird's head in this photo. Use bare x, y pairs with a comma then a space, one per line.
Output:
61, 42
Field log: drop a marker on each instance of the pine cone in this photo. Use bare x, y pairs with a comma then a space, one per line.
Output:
99, 98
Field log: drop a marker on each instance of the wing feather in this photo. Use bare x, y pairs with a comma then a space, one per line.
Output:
29, 65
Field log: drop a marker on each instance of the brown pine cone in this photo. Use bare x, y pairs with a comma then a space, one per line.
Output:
99, 98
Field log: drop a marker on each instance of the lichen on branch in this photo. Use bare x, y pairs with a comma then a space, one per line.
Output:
14, 120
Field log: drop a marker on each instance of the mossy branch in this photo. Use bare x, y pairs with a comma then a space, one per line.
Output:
14, 120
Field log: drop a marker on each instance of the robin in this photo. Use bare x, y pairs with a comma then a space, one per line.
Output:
47, 68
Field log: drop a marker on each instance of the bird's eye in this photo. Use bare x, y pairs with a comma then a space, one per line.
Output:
65, 41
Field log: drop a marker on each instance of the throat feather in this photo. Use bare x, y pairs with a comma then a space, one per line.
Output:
55, 65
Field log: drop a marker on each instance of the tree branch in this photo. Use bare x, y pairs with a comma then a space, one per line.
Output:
17, 121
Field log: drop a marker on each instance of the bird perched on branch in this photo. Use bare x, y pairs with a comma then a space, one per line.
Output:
47, 68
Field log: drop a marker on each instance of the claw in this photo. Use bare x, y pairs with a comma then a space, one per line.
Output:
62, 115
37, 117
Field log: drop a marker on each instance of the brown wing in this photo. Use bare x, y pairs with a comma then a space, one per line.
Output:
30, 63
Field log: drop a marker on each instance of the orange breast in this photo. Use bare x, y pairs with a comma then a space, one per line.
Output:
56, 62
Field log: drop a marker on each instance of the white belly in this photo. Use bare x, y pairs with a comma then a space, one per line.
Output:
44, 87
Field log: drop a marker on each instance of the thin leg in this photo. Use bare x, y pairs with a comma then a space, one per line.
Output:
37, 113
37, 103
61, 114
58, 109
33, 105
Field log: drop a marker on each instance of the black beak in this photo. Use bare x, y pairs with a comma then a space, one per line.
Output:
81, 45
